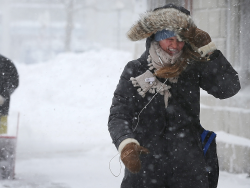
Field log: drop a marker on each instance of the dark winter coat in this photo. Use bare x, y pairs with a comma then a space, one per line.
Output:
171, 134
9, 81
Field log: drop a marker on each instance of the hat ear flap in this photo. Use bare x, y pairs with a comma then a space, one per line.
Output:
153, 21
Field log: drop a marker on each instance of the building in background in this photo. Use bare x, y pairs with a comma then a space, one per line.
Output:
227, 22
31, 30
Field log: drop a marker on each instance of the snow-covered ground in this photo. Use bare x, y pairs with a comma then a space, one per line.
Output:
63, 141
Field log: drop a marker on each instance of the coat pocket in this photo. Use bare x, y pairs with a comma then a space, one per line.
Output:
208, 141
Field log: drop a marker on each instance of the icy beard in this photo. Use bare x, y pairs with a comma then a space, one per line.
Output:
161, 58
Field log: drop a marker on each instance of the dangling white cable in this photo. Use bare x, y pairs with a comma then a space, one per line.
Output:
120, 166
138, 117
160, 59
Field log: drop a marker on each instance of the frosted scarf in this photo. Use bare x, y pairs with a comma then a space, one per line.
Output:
147, 82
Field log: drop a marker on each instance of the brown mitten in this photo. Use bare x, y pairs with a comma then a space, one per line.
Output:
130, 156
195, 36
199, 40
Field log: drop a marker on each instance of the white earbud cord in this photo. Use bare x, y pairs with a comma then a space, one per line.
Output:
160, 59
120, 166
138, 117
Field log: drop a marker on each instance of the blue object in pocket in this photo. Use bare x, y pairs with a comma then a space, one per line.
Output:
206, 145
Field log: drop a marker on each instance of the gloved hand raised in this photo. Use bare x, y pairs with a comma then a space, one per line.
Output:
130, 156
199, 40
197, 37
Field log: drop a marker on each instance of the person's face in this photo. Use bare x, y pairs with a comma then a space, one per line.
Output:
171, 45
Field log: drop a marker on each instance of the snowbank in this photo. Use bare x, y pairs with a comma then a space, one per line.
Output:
64, 103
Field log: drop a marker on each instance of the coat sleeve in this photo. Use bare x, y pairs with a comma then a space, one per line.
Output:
218, 77
122, 108
9, 77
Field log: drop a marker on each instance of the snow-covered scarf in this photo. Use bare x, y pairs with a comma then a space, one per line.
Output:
147, 82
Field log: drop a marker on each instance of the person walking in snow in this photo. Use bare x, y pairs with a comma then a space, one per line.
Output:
154, 117
9, 81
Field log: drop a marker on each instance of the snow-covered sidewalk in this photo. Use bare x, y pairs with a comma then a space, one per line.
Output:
85, 169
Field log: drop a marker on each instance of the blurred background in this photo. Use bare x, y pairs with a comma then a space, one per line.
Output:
32, 31
59, 46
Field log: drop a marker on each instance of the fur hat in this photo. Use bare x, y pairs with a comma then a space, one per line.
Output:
169, 17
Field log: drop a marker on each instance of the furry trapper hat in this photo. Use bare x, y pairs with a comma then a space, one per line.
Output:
169, 17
